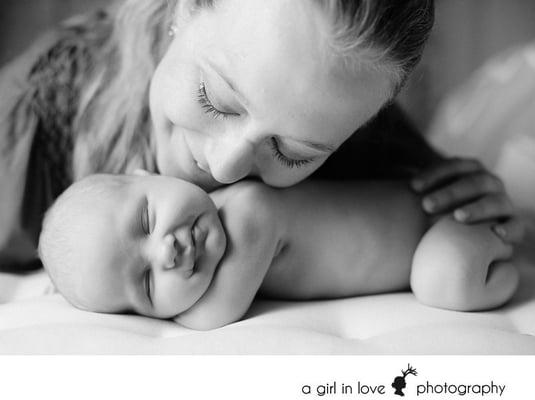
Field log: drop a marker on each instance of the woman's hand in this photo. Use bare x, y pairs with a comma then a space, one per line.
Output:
473, 194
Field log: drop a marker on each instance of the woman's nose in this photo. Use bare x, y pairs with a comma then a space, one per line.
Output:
164, 252
230, 159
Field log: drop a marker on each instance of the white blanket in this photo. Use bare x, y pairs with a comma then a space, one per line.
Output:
36, 323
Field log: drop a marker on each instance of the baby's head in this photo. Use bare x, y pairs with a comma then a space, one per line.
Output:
143, 244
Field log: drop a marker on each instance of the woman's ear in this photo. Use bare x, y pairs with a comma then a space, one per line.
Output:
186, 9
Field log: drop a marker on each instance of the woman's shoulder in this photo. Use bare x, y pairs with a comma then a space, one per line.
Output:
75, 42
388, 146
85, 32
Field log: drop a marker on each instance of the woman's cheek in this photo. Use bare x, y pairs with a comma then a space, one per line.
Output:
179, 99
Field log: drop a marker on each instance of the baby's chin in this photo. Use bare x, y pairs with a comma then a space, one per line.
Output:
199, 284
213, 244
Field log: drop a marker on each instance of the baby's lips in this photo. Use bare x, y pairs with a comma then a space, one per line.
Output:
199, 239
186, 249
187, 261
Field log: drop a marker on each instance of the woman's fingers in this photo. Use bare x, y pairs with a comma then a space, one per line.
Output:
494, 207
510, 231
444, 171
467, 188
474, 195
490, 207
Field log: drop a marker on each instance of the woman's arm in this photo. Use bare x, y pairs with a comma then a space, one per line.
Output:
40, 93
18, 123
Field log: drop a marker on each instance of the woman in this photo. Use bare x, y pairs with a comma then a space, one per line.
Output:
216, 91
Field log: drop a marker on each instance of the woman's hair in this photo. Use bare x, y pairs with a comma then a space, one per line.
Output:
112, 126
382, 34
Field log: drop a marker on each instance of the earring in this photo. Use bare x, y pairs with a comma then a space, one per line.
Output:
172, 30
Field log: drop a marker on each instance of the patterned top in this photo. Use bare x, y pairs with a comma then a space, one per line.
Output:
387, 147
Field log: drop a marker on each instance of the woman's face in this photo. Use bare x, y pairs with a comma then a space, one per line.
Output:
247, 89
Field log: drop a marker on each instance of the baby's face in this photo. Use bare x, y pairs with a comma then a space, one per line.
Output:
151, 247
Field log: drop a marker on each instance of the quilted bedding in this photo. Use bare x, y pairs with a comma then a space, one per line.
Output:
33, 322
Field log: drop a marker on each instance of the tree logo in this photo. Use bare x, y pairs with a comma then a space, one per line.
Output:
399, 381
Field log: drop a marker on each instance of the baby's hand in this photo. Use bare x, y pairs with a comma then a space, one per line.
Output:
473, 194
463, 267
142, 172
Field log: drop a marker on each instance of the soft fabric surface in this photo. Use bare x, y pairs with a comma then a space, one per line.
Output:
37, 323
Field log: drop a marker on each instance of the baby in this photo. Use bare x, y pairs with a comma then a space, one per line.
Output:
164, 248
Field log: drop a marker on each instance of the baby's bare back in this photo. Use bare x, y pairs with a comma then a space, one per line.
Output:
345, 240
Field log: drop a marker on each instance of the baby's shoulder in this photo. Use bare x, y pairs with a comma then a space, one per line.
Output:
248, 210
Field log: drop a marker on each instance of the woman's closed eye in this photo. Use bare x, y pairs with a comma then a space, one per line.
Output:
285, 160
208, 107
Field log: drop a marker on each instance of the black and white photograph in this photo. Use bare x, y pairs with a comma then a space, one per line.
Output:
268, 177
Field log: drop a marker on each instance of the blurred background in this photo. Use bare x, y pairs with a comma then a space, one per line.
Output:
467, 32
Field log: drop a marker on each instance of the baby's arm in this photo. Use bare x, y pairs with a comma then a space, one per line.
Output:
252, 241
463, 267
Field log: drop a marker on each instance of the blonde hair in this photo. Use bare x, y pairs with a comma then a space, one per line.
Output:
386, 35
112, 126
112, 131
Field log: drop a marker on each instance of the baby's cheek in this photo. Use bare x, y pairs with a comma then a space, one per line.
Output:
175, 296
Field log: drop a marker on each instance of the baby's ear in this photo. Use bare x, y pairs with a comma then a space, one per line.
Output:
51, 289
141, 172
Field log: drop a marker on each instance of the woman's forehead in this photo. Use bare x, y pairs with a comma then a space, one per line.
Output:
276, 57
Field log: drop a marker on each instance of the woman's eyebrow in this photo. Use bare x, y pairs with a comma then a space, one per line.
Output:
229, 81
323, 147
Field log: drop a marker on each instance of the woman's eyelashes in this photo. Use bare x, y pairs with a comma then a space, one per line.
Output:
283, 159
208, 107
